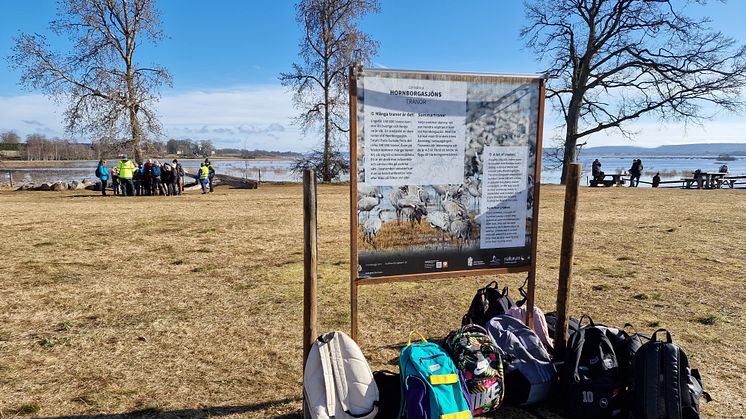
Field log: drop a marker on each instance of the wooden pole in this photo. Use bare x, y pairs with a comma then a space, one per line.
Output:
530, 298
10, 176
353, 200
566, 257
309, 262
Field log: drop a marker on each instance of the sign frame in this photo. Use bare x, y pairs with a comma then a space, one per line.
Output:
530, 269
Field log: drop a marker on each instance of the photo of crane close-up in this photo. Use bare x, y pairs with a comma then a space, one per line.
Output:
445, 171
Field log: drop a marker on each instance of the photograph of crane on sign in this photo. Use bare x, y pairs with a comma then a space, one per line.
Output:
445, 173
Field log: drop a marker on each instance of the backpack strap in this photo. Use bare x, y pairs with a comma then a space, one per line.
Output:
585, 316
340, 378
328, 373
654, 338
575, 361
409, 341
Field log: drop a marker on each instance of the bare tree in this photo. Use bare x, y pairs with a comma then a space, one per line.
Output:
331, 43
110, 94
10, 137
612, 61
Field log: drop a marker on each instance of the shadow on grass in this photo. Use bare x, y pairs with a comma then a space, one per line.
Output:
195, 413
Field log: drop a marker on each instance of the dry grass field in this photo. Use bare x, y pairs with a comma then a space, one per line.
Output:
192, 306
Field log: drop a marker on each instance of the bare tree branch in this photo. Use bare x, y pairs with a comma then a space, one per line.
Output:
331, 43
109, 94
612, 61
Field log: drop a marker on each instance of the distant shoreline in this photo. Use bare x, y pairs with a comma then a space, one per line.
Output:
13, 163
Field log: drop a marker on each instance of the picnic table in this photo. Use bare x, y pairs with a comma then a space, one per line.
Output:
705, 180
616, 180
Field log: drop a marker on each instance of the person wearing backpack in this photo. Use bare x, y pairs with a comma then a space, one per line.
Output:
211, 174
155, 178
103, 174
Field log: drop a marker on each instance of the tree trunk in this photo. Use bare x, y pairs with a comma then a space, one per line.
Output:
326, 175
136, 134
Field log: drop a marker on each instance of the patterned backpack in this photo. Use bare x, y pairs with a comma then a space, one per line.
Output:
481, 364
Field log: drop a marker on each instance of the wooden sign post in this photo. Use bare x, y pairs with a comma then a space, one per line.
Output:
566, 257
309, 262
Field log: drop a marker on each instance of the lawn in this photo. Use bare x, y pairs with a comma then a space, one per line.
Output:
192, 306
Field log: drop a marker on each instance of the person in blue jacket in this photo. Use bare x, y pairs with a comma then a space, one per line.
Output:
103, 174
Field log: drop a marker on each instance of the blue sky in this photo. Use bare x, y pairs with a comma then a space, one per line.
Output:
225, 57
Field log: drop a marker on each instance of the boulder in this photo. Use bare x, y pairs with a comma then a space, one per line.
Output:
59, 186
44, 187
80, 186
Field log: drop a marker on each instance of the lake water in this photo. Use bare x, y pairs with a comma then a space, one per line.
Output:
671, 168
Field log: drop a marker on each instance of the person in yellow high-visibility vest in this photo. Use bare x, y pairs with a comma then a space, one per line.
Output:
204, 177
126, 170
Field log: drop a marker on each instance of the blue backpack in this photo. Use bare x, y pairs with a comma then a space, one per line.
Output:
155, 171
431, 385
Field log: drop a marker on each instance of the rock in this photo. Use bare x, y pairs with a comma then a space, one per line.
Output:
23, 188
80, 186
57, 187
44, 187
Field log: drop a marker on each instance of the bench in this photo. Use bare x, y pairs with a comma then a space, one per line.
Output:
616, 179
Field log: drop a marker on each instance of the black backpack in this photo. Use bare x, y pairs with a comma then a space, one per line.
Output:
551, 318
98, 171
591, 378
488, 303
389, 393
664, 385
626, 346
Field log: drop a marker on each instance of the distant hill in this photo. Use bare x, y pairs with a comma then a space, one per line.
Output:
711, 149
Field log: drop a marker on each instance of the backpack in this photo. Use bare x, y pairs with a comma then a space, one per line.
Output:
337, 382
529, 372
625, 347
664, 385
155, 171
591, 377
389, 393
98, 171
486, 304
480, 362
572, 324
431, 386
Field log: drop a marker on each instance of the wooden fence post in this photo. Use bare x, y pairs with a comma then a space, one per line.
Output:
309, 264
566, 257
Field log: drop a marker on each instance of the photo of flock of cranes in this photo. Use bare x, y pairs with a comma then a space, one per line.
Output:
443, 219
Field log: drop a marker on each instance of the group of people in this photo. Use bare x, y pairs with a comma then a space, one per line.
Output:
634, 172
151, 178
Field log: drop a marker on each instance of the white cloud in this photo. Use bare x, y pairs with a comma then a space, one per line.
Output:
259, 116
248, 116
